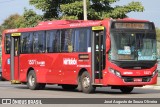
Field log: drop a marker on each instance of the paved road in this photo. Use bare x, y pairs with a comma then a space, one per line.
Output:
52, 91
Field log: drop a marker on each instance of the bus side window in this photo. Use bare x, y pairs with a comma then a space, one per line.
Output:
53, 41
39, 42
7, 43
57, 41
82, 40
49, 40
63, 41
70, 41
26, 42
66, 40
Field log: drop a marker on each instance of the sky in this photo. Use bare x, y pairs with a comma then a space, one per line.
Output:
151, 12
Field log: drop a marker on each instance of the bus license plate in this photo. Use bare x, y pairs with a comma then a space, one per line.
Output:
137, 79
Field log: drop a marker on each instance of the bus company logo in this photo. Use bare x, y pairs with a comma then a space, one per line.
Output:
147, 72
35, 62
69, 61
127, 73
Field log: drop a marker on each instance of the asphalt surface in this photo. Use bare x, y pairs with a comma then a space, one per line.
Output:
8, 90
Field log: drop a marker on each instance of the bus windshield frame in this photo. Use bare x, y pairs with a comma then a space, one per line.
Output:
133, 44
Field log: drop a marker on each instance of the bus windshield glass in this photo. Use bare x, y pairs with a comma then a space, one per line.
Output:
131, 46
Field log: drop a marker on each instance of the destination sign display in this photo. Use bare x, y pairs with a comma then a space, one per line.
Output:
131, 25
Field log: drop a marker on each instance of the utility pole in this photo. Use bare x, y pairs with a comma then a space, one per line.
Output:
85, 9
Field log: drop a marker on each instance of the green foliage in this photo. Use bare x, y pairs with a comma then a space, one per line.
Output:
51, 8
69, 9
100, 9
11, 22
158, 34
28, 19
1, 29
121, 11
73, 9
158, 42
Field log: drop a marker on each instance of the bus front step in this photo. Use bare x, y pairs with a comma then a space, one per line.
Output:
15, 82
97, 84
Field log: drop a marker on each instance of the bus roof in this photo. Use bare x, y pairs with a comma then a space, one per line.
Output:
62, 24
131, 20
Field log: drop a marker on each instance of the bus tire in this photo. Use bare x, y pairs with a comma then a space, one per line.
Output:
86, 83
69, 87
2, 79
126, 90
32, 81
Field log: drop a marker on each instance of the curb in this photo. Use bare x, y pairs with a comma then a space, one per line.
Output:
157, 87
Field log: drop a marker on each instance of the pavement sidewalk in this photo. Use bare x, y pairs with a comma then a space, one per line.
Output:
157, 86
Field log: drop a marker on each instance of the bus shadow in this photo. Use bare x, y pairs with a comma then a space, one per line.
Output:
103, 90
134, 92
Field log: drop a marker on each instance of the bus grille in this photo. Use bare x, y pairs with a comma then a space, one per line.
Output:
131, 79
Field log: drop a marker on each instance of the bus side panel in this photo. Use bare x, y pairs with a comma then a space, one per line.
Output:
53, 68
6, 66
68, 71
71, 66
45, 66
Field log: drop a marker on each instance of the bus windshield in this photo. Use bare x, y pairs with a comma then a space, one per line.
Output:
131, 46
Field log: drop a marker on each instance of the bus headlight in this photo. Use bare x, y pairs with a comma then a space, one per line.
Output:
118, 74
154, 73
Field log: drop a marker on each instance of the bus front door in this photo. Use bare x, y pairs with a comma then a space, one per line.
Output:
98, 55
14, 54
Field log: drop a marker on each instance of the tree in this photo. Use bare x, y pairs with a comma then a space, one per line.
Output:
73, 9
51, 8
10, 22
158, 42
158, 34
1, 30
28, 19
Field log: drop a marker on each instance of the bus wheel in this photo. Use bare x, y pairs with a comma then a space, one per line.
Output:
86, 85
126, 90
32, 81
69, 87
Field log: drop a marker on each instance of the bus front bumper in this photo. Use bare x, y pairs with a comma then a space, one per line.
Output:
113, 80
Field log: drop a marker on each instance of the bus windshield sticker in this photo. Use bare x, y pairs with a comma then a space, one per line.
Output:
8, 61
124, 52
146, 57
89, 49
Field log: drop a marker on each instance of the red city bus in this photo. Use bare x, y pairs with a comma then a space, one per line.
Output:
120, 54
